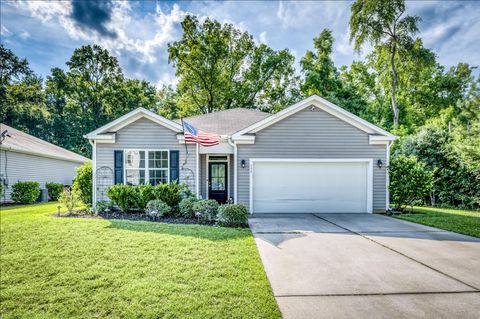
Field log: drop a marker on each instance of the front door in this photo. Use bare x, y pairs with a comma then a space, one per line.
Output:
217, 182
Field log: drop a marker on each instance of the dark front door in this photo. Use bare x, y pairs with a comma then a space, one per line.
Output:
217, 182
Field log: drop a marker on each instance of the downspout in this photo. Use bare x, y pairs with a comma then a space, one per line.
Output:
388, 175
235, 164
94, 166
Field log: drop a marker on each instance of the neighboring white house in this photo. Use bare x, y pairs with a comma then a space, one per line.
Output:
312, 157
26, 158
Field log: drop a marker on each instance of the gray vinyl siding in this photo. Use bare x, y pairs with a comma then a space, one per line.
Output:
26, 167
145, 134
313, 134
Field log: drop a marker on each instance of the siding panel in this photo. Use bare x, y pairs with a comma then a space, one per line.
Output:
145, 134
313, 134
25, 167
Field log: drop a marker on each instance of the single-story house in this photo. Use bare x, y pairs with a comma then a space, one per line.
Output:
312, 157
24, 157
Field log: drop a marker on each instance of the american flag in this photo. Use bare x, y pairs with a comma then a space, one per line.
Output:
192, 134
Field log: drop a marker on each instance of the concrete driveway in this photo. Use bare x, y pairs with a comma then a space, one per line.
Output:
367, 266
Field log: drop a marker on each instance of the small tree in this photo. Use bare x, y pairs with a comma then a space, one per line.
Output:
83, 182
410, 181
70, 199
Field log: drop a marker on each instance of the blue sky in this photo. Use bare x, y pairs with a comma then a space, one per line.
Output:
46, 33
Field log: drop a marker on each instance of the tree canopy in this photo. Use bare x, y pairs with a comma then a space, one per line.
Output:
220, 67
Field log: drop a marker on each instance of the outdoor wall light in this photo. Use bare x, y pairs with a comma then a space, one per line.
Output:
243, 163
379, 163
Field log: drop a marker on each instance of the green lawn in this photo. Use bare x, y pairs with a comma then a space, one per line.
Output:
68, 267
460, 221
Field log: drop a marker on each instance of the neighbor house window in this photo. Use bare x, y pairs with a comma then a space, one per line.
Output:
146, 166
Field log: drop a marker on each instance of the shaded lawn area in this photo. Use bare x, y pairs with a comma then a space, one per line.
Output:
73, 267
460, 221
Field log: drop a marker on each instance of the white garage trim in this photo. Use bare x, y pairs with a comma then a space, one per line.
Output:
369, 162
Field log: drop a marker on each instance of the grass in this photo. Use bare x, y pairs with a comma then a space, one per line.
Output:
82, 268
460, 221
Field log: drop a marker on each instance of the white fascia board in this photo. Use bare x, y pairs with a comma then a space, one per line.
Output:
244, 139
380, 139
323, 104
104, 138
132, 117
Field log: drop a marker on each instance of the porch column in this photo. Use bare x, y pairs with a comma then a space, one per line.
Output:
197, 174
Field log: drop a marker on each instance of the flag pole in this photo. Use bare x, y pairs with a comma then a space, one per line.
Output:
185, 142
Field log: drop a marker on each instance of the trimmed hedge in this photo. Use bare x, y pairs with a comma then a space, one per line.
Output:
54, 190
129, 197
233, 215
25, 192
207, 208
186, 207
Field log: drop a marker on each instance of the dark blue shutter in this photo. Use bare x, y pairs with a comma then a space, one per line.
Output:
174, 166
118, 167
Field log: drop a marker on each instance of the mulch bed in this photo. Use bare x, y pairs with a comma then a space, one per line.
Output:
133, 216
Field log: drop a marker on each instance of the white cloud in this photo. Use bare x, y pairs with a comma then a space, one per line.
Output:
25, 35
263, 37
166, 27
4, 32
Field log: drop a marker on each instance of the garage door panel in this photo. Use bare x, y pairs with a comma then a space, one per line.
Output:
309, 187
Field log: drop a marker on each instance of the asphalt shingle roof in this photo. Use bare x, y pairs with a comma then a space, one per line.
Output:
226, 122
26, 143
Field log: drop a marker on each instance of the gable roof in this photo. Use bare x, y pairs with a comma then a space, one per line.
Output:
226, 122
131, 117
241, 123
316, 101
25, 143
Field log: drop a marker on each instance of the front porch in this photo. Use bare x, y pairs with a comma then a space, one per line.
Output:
216, 176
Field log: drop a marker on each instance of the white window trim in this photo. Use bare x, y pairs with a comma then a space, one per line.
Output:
208, 160
147, 168
369, 162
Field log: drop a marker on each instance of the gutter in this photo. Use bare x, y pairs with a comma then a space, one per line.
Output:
235, 164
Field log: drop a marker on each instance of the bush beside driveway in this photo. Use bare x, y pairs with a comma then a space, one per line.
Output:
68, 267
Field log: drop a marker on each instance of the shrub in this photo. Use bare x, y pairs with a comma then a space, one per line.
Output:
186, 207
1, 189
83, 182
232, 215
102, 206
145, 193
70, 199
124, 196
157, 208
171, 193
409, 181
207, 208
54, 190
186, 192
25, 192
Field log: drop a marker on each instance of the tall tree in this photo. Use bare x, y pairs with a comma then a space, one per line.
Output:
323, 78
92, 92
382, 23
220, 67
22, 102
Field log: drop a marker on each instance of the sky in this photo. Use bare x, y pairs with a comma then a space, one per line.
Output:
138, 33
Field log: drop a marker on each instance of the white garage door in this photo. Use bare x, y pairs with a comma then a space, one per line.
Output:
287, 186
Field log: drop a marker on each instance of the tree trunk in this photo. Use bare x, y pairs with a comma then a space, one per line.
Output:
394, 86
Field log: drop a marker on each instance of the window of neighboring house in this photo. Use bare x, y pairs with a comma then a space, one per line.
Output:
146, 166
